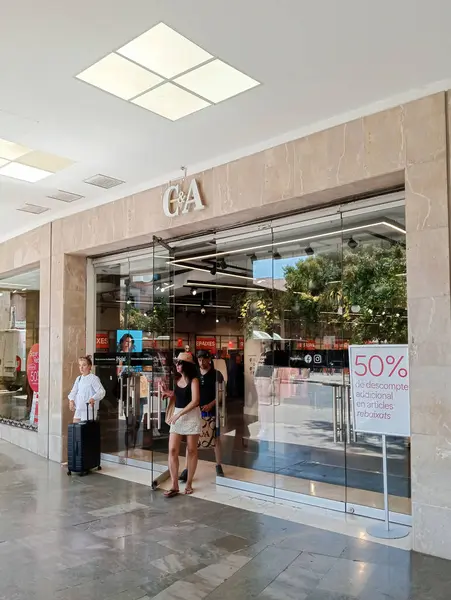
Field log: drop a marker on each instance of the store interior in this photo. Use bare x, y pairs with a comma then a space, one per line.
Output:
277, 304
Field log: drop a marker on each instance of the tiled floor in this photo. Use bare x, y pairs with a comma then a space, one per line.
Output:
107, 538
206, 489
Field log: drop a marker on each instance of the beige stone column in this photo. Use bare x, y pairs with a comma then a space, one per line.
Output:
429, 305
67, 343
5, 310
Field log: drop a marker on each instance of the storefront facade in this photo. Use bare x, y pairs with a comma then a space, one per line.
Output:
404, 147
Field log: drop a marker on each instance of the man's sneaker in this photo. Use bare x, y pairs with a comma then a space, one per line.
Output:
184, 476
219, 471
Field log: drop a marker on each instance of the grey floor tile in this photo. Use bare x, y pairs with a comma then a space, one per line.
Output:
232, 543
132, 594
174, 563
362, 550
256, 575
348, 577
324, 595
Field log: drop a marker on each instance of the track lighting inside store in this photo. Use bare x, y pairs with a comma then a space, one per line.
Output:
276, 255
253, 257
193, 291
209, 270
200, 284
320, 236
222, 264
309, 251
353, 243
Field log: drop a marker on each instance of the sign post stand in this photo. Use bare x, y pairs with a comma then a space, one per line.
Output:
385, 531
381, 406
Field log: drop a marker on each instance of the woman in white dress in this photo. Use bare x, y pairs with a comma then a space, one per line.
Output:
185, 420
87, 390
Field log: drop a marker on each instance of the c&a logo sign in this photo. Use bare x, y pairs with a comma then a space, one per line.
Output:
177, 202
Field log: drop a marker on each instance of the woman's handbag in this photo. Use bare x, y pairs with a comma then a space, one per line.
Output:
169, 411
208, 435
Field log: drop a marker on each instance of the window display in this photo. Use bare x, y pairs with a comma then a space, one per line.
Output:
19, 350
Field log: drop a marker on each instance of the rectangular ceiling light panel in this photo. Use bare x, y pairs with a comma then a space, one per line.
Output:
171, 102
12, 151
216, 81
45, 161
164, 51
24, 172
119, 76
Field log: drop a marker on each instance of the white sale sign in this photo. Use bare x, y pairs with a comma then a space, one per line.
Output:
380, 392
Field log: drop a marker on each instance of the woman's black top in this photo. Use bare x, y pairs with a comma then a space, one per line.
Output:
183, 396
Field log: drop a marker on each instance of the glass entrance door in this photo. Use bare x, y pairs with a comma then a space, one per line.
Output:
134, 333
161, 338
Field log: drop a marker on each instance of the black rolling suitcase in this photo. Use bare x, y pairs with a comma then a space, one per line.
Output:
83, 446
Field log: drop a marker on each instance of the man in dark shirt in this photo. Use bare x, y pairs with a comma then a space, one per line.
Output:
208, 378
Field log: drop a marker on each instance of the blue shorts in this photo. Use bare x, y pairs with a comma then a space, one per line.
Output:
208, 415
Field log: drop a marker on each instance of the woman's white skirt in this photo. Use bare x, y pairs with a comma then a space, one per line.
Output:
189, 424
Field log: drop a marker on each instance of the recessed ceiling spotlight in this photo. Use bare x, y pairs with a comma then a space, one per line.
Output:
24, 172
353, 243
216, 81
309, 251
164, 51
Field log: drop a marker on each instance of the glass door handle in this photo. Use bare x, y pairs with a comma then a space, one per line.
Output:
159, 406
121, 396
127, 398
218, 405
149, 407
334, 412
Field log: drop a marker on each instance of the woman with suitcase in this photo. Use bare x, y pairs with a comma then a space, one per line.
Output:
87, 389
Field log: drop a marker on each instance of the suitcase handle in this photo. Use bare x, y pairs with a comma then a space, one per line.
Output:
93, 412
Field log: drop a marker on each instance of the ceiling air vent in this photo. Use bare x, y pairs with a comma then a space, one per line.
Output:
104, 181
65, 196
34, 209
